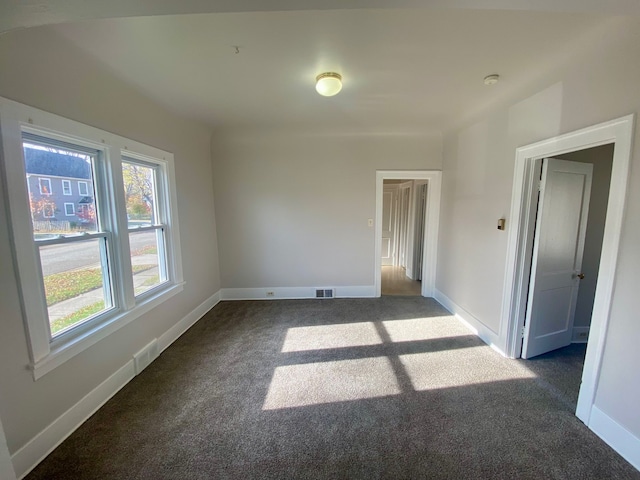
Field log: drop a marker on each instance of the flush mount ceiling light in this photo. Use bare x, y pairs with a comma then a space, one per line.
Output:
328, 84
491, 79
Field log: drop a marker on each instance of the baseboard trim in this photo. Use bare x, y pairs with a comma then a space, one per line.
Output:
487, 335
616, 436
31, 454
171, 335
290, 293
580, 335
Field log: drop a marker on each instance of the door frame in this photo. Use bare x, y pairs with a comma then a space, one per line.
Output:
520, 241
432, 221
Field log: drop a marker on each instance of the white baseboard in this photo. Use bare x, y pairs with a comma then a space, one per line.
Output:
580, 335
487, 335
288, 293
618, 437
171, 335
27, 457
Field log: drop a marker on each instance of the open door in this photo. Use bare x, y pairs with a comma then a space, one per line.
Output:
561, 224
389, 210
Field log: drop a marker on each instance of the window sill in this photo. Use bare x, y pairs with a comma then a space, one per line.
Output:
65, 350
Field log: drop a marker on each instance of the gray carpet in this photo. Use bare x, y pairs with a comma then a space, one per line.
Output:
389, 388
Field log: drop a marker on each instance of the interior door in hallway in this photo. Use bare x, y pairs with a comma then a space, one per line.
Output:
389, 224
563, 206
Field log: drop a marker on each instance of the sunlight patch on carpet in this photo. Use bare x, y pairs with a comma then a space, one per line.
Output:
451, 368
327, 382
322, 337
416, 329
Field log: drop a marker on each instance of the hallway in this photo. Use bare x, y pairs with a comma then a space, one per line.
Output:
396, 282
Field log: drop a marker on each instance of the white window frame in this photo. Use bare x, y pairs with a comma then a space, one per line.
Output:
44, 211
66, 186
47, 353
40, 179
73, 209
86, 188
159, 215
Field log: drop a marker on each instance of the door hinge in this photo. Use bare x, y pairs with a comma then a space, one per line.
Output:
522, 332
540, 186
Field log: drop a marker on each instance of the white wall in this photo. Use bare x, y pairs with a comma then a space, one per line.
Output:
41, 70
292, 207
602, 159
6, 467
597, 85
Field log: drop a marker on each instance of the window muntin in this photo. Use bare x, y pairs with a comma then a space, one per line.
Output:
83, 188
66, 187
75, 271
146, 231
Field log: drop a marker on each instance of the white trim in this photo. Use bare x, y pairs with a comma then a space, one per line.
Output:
290, 293
65, 351
619, 438
40, 185
432, 222
27, 457
580, 335
619, 132
487, 335
86, 186
73, 206
171, 335
70, 190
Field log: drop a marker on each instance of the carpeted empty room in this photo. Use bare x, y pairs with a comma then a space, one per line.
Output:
393, 387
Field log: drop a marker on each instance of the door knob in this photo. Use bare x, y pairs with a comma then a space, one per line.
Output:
580, 276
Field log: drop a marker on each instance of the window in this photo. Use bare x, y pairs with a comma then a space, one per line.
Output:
83, 189
146, 233
83, 278
45, 186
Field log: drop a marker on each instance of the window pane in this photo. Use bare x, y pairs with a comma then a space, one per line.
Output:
139, 193
74, 282
147, 270
50, 171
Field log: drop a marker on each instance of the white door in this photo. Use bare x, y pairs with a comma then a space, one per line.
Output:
561, 225
389, 201
403, 203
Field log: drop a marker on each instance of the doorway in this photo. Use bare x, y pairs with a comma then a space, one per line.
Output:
618, 133
403, 210
571, 213
406, 228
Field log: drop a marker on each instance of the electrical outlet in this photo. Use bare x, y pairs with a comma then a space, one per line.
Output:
270, 294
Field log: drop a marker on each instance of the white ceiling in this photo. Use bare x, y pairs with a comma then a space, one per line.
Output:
403, 69
29, 13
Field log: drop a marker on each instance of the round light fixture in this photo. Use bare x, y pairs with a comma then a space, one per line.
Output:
491, 79
328, 84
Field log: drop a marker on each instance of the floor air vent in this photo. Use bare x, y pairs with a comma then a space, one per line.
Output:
144, 357
324, 293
